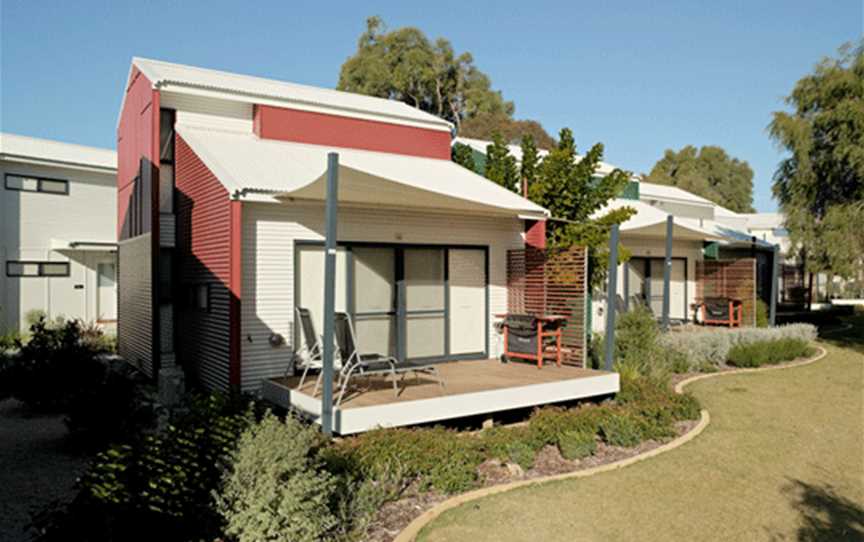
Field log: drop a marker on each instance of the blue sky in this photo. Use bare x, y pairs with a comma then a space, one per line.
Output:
640, 77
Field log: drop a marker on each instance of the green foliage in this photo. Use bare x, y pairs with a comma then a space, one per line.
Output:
638, 351
405, 65
620, 430
761, 313
484, 124
573, 192
464, 156
709, 349
277, 489
530, 160
577, 444
501, 166
820, 185
52, 366
521, 453
437, 457
708, 172
767, 352
159, 484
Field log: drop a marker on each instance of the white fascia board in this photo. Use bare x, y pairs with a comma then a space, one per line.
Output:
56, 163
180, 88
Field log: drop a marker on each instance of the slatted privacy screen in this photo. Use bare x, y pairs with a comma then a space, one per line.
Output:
552, 282
734, 279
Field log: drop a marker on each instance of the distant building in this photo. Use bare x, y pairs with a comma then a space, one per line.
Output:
58, 206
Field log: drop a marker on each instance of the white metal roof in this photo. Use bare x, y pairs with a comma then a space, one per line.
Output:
46, 152
671, 193
649, 221
480, 145
763, 221
250, 166
247, 88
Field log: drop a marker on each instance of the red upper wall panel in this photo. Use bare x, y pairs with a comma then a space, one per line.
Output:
323, 129
137, 140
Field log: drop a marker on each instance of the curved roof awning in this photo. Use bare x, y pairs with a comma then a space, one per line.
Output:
650, 222
270, 170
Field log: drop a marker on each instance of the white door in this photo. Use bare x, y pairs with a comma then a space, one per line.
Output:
467, 279
676, 289
106, 298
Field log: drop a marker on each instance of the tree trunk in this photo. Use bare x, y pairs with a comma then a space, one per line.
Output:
810, 293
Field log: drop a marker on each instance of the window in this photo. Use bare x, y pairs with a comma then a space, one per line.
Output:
781, 232
36, 184
37, 269
199, 297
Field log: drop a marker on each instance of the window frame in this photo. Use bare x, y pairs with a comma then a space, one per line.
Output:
40, 266
39, 180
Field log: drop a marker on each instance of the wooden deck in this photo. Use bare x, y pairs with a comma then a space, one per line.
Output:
471, 388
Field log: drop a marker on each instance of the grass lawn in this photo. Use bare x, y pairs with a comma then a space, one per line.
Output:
783, 459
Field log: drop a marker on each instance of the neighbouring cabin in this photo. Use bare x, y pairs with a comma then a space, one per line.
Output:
225, 239
57, 218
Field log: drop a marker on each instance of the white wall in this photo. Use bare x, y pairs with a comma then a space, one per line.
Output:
653, 248
28, 223
269, 233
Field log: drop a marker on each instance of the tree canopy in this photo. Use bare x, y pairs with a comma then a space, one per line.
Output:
404, 65
708, 172
501, 166
463, 155
570, 189
820, 185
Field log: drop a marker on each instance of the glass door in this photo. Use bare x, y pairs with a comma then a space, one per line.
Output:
375, 299
423, 310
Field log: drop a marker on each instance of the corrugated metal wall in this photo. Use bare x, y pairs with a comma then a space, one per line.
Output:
135, 302
203, 255
269, 233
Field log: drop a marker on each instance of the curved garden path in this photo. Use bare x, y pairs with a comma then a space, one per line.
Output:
783, 459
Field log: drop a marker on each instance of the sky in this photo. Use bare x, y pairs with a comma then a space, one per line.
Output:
640, 77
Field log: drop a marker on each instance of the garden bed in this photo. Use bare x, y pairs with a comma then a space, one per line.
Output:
394, 516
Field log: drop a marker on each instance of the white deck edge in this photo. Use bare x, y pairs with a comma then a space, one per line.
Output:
358, 419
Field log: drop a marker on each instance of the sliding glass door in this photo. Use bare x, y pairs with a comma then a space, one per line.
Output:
409, 302
424, 309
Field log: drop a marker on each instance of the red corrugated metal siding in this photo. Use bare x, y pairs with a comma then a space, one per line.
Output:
137, 217
322, 129
204, 248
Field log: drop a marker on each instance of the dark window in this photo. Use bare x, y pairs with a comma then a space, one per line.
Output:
199, 297
26, 183
37, 269
166, 136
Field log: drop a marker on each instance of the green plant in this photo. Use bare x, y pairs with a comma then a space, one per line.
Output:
767, 352
521, 453
276, 488
761, 314
620, 430
577, 444
157, 485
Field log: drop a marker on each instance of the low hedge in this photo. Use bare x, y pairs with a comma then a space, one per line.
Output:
447, 460
768, 352
709, 349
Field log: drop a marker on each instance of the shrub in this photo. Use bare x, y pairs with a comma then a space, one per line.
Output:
277, 489
436, 457
767, 352
712, 347
577, 444
620, 430
159, 485
761, 314
51, 366
521, 453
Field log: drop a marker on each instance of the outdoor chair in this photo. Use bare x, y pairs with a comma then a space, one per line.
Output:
356, 364
310, 354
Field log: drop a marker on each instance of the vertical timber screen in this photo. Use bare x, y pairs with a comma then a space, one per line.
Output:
552, 282
734, 279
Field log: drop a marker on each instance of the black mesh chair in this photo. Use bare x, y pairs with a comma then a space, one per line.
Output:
356, 364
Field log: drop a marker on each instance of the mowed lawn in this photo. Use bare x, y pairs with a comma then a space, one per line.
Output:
783, 459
